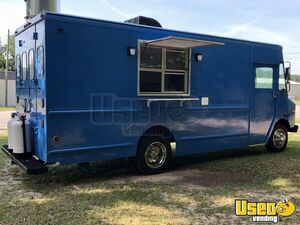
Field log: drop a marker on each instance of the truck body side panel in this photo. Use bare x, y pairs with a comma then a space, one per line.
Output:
92, 110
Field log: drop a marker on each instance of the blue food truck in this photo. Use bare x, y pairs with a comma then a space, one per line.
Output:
90, 89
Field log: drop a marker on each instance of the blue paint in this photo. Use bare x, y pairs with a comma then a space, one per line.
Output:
92, 148
87, 96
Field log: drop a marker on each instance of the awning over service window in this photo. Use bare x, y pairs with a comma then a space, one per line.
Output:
178, 42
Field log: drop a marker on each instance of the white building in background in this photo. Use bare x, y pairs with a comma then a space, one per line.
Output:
295, 89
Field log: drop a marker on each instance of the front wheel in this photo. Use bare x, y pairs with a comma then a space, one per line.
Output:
153, 155
278, 140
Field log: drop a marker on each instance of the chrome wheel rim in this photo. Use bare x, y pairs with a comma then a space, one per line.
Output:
279, 138
155, 155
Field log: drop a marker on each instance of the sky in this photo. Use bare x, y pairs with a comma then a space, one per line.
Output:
257, 20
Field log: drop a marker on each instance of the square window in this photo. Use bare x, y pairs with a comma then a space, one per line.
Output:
151, 57
175, 60
150, 81
159, 65
174, 82
264, 78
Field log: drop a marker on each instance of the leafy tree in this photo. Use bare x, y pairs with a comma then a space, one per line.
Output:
12, 46
2, 58
11, 53
2, 62
1, 47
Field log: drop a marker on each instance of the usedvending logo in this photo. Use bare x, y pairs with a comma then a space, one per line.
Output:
264, 211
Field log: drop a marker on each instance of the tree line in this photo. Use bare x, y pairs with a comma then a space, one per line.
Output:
11, 54
295, 78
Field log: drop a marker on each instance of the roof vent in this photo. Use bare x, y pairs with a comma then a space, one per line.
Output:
144, 21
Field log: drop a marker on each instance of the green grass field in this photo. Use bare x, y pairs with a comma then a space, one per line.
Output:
196, 190
3, 108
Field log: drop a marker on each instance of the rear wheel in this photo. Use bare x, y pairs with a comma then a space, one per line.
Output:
278, 140
153, 155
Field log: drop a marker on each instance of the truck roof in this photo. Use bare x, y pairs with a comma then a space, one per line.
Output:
66, 17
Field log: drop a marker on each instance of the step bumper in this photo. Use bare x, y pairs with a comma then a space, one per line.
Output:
29, 164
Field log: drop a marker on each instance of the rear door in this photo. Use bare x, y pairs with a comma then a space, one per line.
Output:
262, 102
40, 92
31, 52
25, 50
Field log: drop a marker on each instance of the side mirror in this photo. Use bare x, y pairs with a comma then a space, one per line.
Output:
288, 73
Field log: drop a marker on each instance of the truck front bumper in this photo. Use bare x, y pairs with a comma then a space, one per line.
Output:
293, 129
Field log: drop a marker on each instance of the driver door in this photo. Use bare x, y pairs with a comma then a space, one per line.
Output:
263, 101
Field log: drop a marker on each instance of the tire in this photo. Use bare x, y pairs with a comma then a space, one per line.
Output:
278, 140
154, 154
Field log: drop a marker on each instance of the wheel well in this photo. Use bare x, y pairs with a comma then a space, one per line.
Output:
285, 123
158, 130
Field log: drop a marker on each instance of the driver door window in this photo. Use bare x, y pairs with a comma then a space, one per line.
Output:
282, 80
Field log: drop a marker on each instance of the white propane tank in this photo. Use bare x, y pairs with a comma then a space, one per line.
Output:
17, 136
9, 137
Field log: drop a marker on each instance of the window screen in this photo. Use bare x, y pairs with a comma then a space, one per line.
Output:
264, 78
175, 60
151, 58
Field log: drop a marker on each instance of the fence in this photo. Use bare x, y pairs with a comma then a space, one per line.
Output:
11, 100
295, 89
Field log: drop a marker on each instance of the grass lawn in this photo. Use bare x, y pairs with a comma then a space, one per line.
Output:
3, 108
196, 190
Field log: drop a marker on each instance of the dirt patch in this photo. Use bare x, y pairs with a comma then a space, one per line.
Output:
195, 178
7, 180
189, 177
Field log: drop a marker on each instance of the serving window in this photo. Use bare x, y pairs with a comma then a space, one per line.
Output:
163, 71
